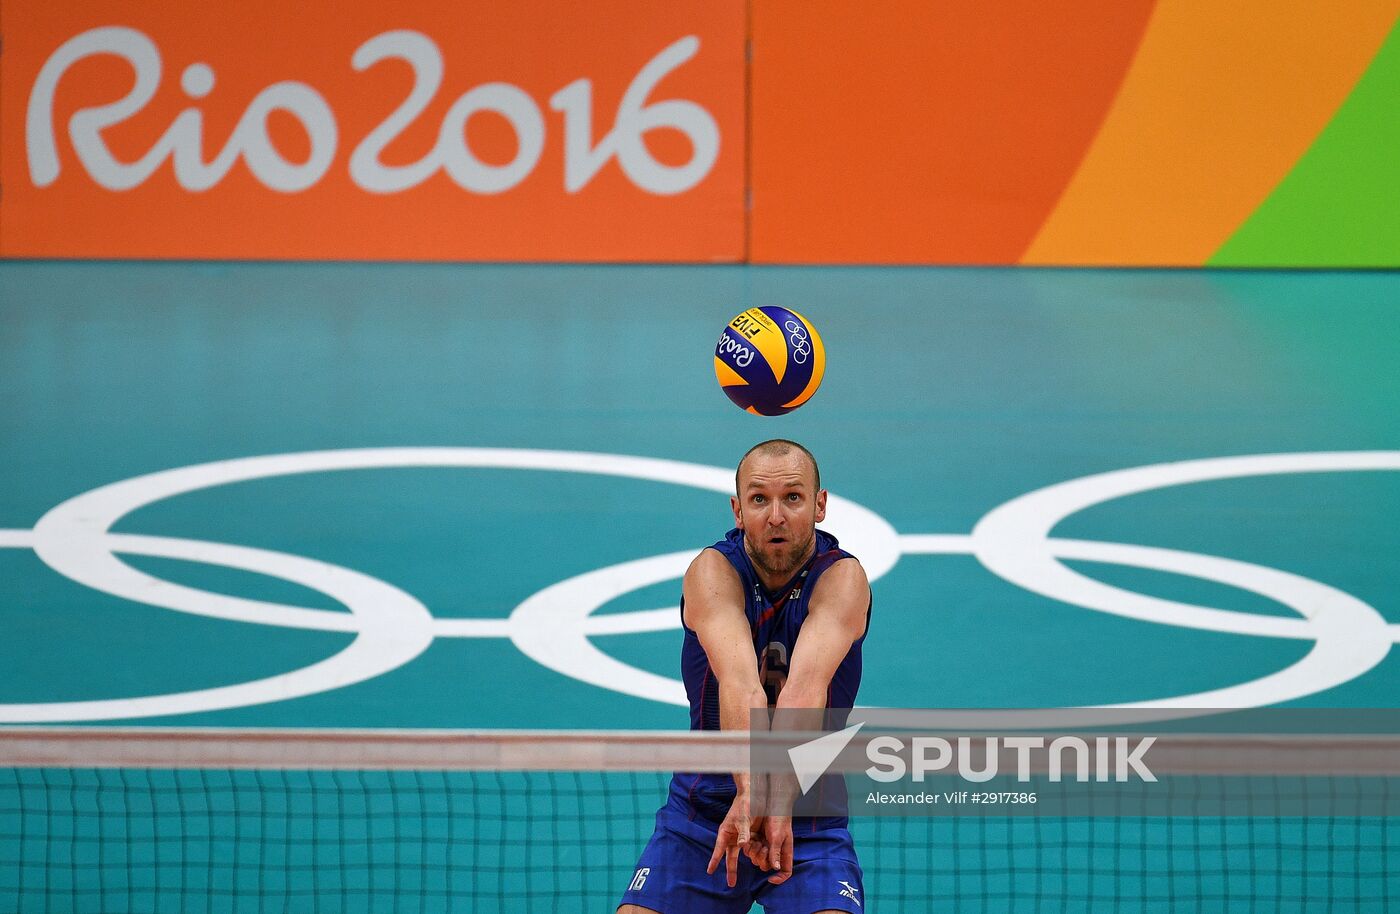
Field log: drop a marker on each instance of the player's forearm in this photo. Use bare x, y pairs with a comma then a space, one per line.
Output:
799, 694
798, 713
800, 708
737, 704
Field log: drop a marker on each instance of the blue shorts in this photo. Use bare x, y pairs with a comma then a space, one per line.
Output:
670, 876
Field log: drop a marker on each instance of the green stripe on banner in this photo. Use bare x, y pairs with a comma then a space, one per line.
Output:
1340, 205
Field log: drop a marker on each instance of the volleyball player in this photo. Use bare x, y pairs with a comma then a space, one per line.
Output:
774, 616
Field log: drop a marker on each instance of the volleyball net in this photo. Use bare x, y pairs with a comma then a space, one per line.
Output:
134, 820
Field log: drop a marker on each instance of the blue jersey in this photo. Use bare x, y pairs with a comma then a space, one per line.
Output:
775, 618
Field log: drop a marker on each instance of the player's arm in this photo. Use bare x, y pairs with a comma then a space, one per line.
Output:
714, 610
836, 618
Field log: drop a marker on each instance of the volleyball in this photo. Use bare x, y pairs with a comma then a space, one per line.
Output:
769, 360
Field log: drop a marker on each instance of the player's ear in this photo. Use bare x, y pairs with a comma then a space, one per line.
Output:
734, 506
821, 506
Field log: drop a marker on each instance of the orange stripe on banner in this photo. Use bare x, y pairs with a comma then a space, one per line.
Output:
1221, 101
917, 132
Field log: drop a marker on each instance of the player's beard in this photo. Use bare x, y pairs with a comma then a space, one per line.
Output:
782, 563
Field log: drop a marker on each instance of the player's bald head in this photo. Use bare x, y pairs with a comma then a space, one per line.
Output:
777, 447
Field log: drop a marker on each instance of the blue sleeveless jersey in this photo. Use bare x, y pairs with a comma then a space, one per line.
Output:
776, 618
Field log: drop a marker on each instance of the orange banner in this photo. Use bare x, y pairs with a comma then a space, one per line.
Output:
461, 130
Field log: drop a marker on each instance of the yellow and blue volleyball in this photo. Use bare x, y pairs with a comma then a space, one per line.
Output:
770, 360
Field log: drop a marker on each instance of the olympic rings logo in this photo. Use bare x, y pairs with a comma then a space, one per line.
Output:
797, 337
553, 627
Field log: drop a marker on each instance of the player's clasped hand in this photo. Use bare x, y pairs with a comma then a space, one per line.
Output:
770, 847
734, 833
765, 840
